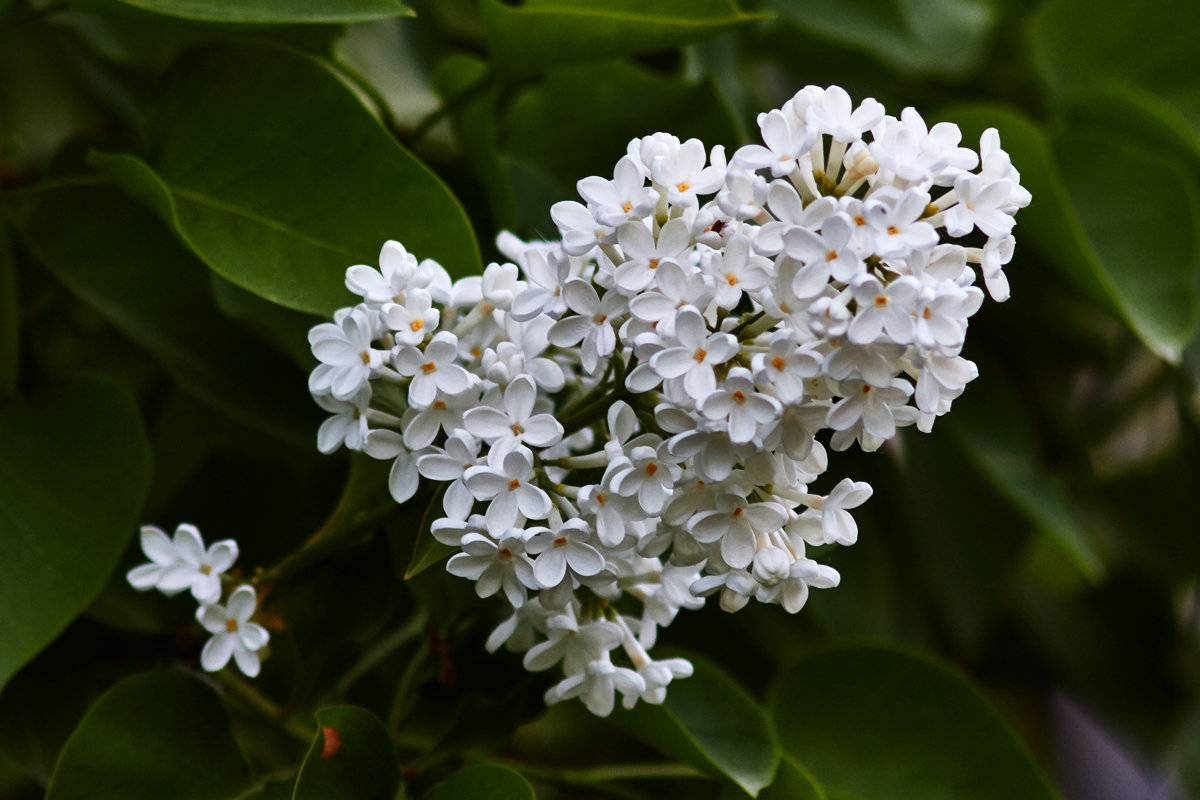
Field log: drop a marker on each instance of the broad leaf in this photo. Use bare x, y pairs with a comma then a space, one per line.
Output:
1139, 260
710, 721
482, 782
152, 736
115, 256
275, 10
579, 120
351, 758
929, 37
547, 33
872, 723
278, 178
791, 782
74, 469
1078, 44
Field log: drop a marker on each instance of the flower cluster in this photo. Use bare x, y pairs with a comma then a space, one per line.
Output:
182, 562
625, 420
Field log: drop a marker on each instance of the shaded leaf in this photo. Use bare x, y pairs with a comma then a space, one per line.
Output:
1139, 260
929, 37
74, 469
547, 33
10, 318
579, 120
427, 550
278, 178
791, 782
351, 758
482, 782
870, 722
275, 10
116, 257
710, 721
152, 736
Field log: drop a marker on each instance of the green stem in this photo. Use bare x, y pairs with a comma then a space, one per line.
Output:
452, 104
250, 696
611, 772
403, 697
409, 630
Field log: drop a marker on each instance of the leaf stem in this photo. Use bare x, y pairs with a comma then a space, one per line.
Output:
250, 696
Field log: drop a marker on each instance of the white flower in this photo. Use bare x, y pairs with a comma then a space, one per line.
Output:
643, 254
509, 486
233, 633
596, 686
626, 197
183, 563
785, 143
347, 358
348, 426
684, 175
884, 309
592, 323
432, 369
414, 319
738, 403
515, 423
697, 352
495, 565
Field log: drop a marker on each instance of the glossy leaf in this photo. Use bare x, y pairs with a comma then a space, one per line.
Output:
546, 33
10, 318
929, 37
1139, 260
115, 256
710, 721
275, 10
351, 758
791, 782
152, 736
482, 782
870, 723
74, 469
281, 182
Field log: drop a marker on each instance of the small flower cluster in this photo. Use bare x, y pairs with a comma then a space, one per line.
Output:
182, 562
625, 420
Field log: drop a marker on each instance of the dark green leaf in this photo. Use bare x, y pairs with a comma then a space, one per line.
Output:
992, 429
710, 721
275, 10
1079, 44
579, 120
10, 318
351, 758
930, 37
482, 782
427, 550
791, 783
1139, 260
546, 33
74, 469
150, 737
278, 178
122, 262
871, 723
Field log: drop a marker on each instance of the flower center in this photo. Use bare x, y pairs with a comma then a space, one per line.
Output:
417, 324
560, 541
627, 207
651, 468
428, 367
892, 230
701, 355
737, 512
206, 569
778, 363
731, 278
231, 625
514, 484
505, 552
517, 429
654, 263
881, 301
439, 404
683, 187
831, 255
365, 355
739, 397
927, 313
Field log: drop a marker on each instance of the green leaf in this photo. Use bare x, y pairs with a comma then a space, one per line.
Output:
482, 782
275, 11
427, 550
711, 722
1078, 44
546, 33
993, 431
152, 736
74, 470
578, 121
277, 177
1138, 260
792, 782
1149, 249
10, 318
351, 758
871, 723
115, 256
927, 37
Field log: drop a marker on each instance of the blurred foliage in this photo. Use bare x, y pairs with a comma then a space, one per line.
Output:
182, 184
